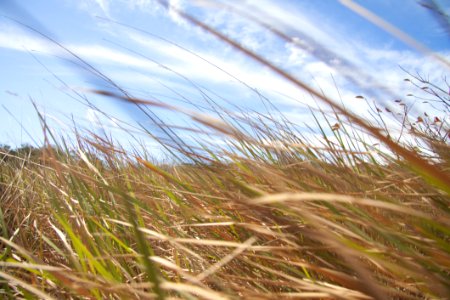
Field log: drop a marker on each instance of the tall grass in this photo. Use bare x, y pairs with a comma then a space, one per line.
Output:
269, 214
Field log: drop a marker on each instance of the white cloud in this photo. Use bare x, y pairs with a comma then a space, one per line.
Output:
297, 56
93, 116
101, 54
97, 119
104, 5
244, 31
174, 6
147, 6
382, 63
94, 7
11, 37
154, 7
15, 39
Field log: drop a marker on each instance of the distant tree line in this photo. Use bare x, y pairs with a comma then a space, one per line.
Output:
8, 153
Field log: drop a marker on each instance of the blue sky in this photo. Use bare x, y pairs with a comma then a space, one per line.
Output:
173, 61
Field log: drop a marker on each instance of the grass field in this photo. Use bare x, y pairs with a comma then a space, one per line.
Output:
271, 214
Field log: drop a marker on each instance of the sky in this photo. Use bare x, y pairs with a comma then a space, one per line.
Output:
52, 52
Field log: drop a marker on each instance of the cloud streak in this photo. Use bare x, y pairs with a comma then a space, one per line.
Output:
168, 62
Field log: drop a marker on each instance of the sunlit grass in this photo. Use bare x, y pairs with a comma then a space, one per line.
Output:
262, 221
270, 214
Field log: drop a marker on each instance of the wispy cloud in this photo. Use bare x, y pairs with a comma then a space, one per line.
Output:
94, 7
382, 62
12, 37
